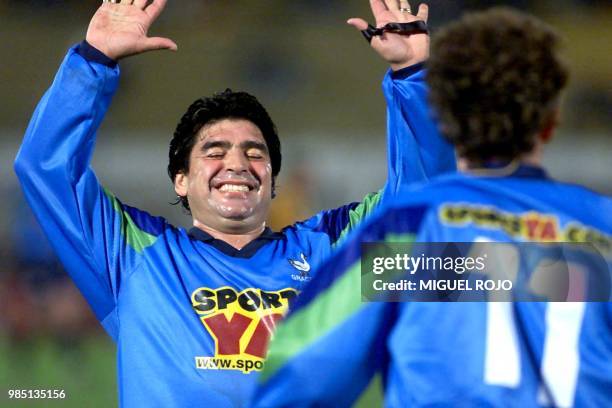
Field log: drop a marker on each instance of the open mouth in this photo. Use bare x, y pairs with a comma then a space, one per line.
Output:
235, 188
232, 183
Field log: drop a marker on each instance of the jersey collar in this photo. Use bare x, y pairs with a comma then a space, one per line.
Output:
508, 169
528, 171
246, 252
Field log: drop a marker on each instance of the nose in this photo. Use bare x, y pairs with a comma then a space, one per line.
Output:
236, 161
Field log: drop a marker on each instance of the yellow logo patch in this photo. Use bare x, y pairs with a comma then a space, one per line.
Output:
240, 324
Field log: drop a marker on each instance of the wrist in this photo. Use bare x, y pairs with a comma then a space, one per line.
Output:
407, 72
93, 54
418, 53
398, 66
100, 43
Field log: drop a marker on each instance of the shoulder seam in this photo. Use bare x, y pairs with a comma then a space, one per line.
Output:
357, 214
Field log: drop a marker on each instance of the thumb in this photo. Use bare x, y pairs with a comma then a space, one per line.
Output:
423, 12
358, 23
159, 43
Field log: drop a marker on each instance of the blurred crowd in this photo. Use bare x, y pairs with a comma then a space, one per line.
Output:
36, 295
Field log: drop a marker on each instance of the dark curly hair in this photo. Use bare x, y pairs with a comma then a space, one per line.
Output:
495, 79
223, 105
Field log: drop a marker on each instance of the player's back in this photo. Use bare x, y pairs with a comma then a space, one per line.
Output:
499, 353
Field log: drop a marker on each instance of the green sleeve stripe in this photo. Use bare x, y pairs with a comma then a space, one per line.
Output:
328, 310
365, 208
372, 396
310, 323
136, 238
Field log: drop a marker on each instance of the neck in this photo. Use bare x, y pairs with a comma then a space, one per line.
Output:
237, 240
533, 158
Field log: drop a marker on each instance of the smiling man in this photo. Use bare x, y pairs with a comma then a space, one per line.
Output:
192, 311
229, 180
222, 167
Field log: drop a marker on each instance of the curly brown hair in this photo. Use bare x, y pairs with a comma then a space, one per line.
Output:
495, 79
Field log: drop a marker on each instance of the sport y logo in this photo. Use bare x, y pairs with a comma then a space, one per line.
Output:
240, 324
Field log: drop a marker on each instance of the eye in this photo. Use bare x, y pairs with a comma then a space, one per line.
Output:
254, 154
214, 154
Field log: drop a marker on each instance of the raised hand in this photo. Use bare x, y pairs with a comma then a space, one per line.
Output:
398, 50
120, 29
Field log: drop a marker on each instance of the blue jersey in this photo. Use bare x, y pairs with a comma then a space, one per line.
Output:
452, 354
190, 314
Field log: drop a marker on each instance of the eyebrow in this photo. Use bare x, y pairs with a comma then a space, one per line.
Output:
246, 145
251, 144
216, 143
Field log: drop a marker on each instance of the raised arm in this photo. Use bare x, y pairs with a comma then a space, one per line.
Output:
416, 150
97, 238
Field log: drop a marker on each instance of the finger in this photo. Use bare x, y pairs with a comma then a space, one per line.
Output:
423, 13
404, 7
158, 43
155, 8
392, 6
405, 11
378, 10
141, 4
358, 23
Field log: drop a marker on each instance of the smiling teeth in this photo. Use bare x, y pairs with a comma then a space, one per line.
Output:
234, 188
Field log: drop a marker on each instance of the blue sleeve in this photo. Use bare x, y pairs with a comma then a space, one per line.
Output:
329, 335
330, 330
416, 151
97, 238
335, 370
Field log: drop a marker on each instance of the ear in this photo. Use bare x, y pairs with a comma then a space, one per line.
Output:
180, 184
548, 131
274, 187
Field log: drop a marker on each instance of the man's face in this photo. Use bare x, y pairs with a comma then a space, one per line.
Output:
229, 183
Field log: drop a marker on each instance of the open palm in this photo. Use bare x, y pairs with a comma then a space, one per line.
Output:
120, 30
397, 49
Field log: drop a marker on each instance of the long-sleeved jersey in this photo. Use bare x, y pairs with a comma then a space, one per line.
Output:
190, 314
493, 354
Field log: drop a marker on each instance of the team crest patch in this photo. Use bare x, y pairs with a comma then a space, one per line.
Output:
303, 267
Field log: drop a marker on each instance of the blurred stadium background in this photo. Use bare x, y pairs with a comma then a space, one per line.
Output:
320, 83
